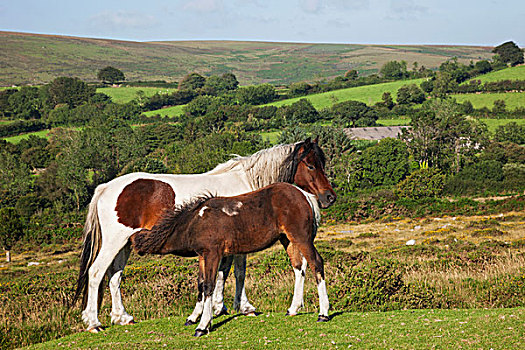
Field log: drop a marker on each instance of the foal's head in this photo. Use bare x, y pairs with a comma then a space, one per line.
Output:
310, 175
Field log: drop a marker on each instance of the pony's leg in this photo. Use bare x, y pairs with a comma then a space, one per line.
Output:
299, 265
218, 294
95, 276
211, 263
241, 302
118, 313
317, 265
197, 311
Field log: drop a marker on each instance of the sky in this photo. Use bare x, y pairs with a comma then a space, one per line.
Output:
456, 22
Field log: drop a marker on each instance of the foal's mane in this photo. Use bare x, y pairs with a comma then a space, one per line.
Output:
271, 165
152, 240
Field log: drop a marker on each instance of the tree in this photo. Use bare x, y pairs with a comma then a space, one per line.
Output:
11, 230
192, 81
411, 93
301, 111
254, 95
352, 74
386, 100
512, 132
441, 137
70, 91
354, 113
394, 70
110, 75
216, 85
25, 103
509, 53
385, 163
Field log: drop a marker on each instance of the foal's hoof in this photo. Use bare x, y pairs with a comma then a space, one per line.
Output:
323, 318
95, 330
200, 333
223, 312
251, 314
289, 314
189, 323
130, 323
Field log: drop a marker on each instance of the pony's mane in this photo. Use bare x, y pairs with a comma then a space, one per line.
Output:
271, 165
152, 240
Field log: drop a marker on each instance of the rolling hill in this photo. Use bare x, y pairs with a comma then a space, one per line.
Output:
35, 59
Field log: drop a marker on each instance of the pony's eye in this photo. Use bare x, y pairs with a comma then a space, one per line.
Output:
310, 167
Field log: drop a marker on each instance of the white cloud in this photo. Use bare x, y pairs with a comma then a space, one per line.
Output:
204, 5
122, 20
406, 10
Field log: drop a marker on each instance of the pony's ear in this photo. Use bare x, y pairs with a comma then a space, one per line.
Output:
316, 140
307, 141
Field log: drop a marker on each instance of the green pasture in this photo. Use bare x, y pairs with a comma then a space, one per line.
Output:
512, 99
169, 112
407, 329
368, 94
126, 94
512, 73
16, 139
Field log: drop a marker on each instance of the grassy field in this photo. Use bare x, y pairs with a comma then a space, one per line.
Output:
368, 94
126, 94
169, 112
511, 73
512, 99
409, 329
37, 59
458, 262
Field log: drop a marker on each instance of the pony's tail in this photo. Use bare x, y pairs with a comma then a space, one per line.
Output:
90, 250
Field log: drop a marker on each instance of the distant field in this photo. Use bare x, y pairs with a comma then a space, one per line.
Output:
512, 99
37, 59
16, 139
368, 94
166, 112
512, 73
126, 94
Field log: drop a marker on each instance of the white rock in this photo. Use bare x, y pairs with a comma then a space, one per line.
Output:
411, 242
33, 263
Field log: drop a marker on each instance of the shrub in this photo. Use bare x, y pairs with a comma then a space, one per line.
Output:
423, 183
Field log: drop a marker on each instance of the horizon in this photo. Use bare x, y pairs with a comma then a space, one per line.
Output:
361, 22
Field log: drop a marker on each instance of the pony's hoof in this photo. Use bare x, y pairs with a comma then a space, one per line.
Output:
130, 323
200, 333
323, 318
289, 314
95, 330
222, 313
251, 314
189, 323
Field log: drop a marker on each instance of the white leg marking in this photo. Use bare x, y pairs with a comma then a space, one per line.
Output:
118, 313
207, 315
241, 302
197, 312
298, 292
324, 304
218, 294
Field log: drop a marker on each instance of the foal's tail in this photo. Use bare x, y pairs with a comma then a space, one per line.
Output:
90, 249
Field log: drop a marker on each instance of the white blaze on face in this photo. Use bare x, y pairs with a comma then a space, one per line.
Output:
201, 212
232, 211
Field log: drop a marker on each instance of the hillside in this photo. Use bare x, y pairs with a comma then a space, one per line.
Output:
35, 59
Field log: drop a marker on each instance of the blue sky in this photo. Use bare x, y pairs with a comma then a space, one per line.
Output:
481, 22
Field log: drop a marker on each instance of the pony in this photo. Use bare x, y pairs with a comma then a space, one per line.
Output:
212, 228
135, 201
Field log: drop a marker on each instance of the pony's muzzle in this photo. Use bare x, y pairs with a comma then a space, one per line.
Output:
326, 199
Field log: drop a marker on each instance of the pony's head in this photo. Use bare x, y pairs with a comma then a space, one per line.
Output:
308, 165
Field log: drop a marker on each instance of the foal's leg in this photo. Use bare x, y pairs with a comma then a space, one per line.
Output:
197, 312
299, 265
218, 294
317, 266
211, 263
118, 313
241, 302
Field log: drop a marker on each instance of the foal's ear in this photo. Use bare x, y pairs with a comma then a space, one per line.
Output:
316, 140
307, 141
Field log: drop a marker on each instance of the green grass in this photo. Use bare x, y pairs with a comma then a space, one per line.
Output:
169, 112
512, 73
271, 136
407, 329
368, 94
393, 122
492, 124
126, 94
16, 139
512, 99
